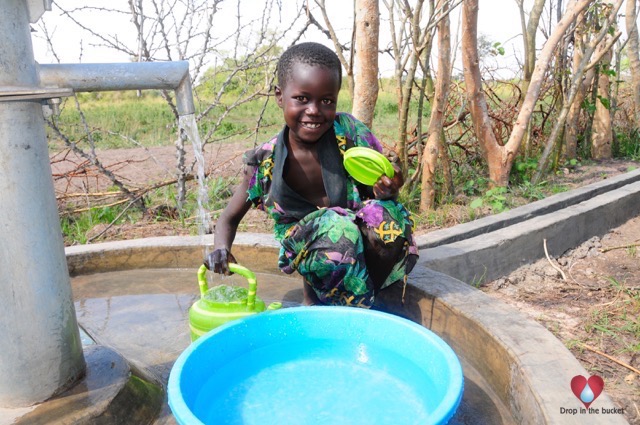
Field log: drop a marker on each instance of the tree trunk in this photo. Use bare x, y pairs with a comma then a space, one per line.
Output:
431, 151
571, 130
426, 86
529, 31
562, 87
532, 29
615, 95
634, 56
407, 87
489, 145
601, 138
366, 76
398, 47
575, 82
524, 116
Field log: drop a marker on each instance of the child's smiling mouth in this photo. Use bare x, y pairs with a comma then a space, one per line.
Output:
310, 125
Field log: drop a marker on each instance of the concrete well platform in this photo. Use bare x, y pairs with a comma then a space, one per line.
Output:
132, 297
517, 370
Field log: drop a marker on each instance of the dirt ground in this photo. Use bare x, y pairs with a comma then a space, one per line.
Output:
138, 167
589, 298
592, 305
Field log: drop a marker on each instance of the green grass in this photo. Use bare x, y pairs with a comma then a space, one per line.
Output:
116, 119
76, 227
619, 320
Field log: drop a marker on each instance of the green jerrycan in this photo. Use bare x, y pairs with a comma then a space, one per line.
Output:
223, 303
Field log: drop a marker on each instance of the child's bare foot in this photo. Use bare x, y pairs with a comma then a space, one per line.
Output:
309, 296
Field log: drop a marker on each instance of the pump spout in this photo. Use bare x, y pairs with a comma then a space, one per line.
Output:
91, 77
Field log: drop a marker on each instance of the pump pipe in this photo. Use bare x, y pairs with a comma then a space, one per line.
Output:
90, 77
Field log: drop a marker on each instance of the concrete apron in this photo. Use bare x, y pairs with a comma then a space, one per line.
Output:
529, 369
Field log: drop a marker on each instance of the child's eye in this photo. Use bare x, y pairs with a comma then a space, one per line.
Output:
327, 102
301, 98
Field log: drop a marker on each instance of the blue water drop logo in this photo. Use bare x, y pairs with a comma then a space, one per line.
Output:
587, 390
587, 395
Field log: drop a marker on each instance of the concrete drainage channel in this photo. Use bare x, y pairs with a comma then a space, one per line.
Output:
494, 246
522, 368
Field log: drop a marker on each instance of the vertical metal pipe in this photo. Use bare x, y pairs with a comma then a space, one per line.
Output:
41, 350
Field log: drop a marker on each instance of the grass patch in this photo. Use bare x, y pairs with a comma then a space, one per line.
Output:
80, 227
76, 227
619, 320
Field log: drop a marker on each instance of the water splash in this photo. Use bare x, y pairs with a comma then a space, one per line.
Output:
188, 124
227, 294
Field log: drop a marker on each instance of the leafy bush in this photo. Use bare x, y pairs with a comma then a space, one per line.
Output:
493, 198
522, 171
628, 145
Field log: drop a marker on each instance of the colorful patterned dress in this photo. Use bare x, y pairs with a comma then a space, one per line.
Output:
325, 245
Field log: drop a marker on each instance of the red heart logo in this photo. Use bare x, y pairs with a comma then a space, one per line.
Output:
587, 390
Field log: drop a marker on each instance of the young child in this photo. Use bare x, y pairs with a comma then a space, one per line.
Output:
348, 241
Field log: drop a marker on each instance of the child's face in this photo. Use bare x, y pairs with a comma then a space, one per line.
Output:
308, 101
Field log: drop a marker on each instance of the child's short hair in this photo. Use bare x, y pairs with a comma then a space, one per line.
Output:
308, 53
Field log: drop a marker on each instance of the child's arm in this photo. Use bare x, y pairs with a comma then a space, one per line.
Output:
388, 188
227, 225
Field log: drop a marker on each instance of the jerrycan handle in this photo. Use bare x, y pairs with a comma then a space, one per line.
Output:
234, 268
202, 280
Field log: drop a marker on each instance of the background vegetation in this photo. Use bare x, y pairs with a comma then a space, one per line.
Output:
234, 106
122, 120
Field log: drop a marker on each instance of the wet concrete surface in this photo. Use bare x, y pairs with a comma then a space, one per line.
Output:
107, 374
143, 314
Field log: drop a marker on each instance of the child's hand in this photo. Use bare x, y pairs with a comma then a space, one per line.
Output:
388, 188
219, 259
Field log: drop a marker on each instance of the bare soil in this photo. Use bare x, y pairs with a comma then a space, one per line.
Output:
589, 298
593, 308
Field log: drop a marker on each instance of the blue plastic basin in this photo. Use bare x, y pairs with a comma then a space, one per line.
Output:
316, 365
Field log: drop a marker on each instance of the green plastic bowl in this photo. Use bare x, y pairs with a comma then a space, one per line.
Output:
367, 165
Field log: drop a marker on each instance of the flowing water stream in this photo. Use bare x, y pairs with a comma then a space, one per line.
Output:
190, 127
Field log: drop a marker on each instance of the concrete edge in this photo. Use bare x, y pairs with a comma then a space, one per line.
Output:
532, 382
160, 252
517, 215
537, 382
489, 256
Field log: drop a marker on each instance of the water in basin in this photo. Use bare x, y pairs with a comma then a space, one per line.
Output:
143, 313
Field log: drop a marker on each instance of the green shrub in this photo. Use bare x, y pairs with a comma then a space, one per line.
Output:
628, 145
